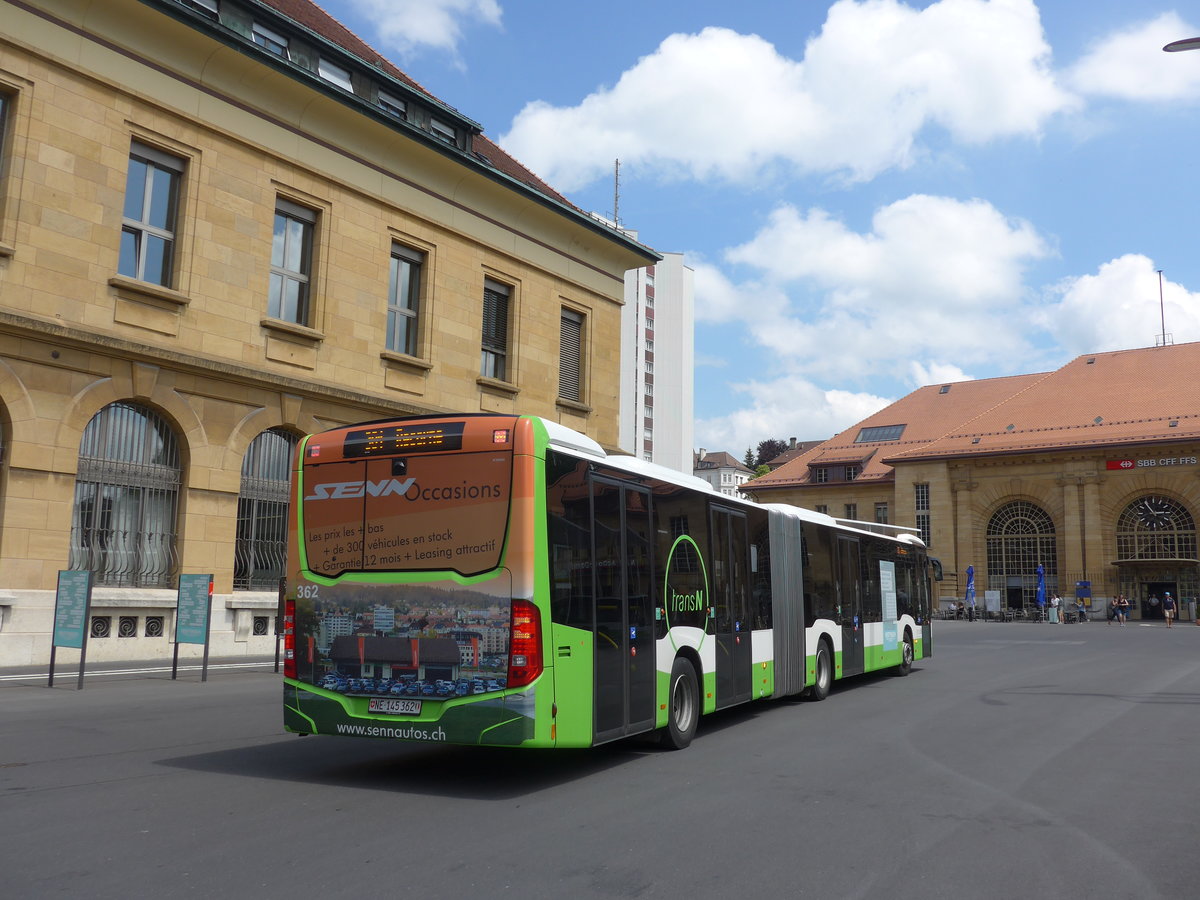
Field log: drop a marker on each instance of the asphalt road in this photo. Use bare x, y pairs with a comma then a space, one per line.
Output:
1023, 760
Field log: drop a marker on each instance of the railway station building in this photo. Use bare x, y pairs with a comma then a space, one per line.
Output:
225, 224
1091, 471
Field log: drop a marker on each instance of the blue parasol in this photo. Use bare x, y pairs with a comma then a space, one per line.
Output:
970, 585
1041, 586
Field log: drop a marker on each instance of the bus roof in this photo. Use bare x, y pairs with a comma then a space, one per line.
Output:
568, 439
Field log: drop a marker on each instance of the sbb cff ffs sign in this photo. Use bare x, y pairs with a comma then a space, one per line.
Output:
1150, 463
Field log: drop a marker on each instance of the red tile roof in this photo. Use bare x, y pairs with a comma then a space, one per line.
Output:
311, 16
1123, 397
926, 414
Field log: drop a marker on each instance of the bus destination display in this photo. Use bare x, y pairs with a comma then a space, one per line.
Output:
389, 440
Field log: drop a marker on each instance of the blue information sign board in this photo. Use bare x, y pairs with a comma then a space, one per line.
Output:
71, 608
192, 610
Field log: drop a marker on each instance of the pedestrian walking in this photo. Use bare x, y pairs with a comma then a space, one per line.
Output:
1168, 605
1122, 609
1111, 609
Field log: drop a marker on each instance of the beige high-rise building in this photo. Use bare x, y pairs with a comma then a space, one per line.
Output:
224, 224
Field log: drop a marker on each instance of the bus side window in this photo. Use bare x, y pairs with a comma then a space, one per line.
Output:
818, 574
570, 542
760, 567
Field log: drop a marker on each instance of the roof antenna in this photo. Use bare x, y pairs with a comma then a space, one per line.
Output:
616, 192
1164, 338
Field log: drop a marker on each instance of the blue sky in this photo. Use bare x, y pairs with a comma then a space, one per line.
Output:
875, 195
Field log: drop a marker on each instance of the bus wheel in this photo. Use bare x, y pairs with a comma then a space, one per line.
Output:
820, 688
906, 655
683, 712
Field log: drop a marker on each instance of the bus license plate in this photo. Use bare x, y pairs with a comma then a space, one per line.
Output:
394, 707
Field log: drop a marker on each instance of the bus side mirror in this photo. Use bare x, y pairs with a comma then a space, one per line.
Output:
937, 568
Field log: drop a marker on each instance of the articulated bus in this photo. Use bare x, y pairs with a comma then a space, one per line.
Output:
501, 580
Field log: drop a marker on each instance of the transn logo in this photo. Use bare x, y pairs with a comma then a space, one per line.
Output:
345, 490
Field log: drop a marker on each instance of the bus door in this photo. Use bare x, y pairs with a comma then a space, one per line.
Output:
850, 604
731, 604
624, 660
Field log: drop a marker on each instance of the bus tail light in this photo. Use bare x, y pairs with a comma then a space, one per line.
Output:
289, 638
525, 644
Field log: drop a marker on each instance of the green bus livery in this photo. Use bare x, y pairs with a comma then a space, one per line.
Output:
501, 580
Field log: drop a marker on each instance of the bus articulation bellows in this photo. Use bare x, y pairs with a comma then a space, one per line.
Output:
501, 580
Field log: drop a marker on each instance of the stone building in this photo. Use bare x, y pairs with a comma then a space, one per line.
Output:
1090, 471
226, 223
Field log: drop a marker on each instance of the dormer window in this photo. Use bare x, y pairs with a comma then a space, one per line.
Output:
852, 472
821, 475
393, 106
443, 131
270, 40
207, 7
334, 74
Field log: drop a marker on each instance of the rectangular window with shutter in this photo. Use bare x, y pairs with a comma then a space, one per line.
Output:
149, 222
570, 371
494, 363
404, 299
291, 263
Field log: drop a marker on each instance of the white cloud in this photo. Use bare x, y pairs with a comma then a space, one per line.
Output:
1129, 64
936, 373
723, 105
409, 25
1118, 308
936, 280
785, 408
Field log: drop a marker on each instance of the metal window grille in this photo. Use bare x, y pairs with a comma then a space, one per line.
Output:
260, 547
921, 497
101, 627
1173, 538
495, 331
1020, 537
570, 344
148, 225
404, 297
126, 498
127, 626
154, 626
291, 263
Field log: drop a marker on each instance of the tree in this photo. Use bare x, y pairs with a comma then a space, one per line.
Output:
748, 459
767, 451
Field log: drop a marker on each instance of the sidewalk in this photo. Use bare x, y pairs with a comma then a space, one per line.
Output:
68, 673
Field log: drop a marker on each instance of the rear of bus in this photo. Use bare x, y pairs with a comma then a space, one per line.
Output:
408, 611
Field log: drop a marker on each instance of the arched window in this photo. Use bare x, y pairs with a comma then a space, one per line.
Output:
1020, 536
1156, 527
260, 550
123, 526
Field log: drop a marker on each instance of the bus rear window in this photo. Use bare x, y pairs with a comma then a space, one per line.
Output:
402, 514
